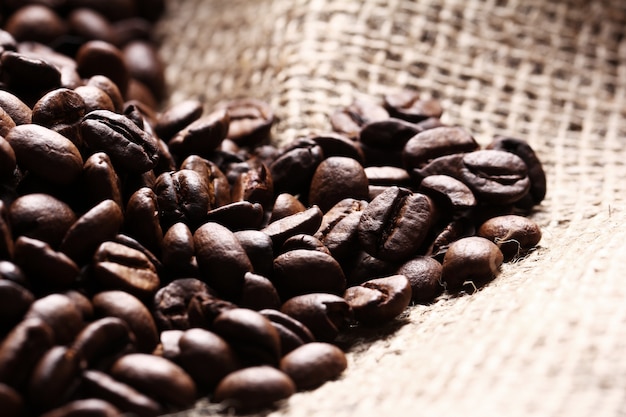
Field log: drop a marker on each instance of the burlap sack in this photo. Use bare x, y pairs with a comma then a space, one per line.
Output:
548, 336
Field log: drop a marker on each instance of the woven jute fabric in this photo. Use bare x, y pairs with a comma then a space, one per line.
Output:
548, 336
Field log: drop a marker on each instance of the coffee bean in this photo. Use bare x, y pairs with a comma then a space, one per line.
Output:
178, 252
334, 144
102, 58
304, 241
259, 248
254, 388
168, 348
102, 339
100, 181
471, 259
350, 119
258, 293
28, 78
6, 238
90, 407
325, 315
292, 333
513, 234
424, 275
337, 178
202, 135
387, 175
11, 401
145, 65
6, 123
390, 135
18, 110
250, 121
394, 225
339, 228
408, 105
94, 98
61, 314
206, 357
240, 215
13, 273
15, 300
294, 167
362, 266
285, 205
128, 308
156, 377
219, 187
306, 222
35, 23
54, 379
456, 229
433, 143
45, 153
177, 117
312, 364
110, 88
90, 25
379, 300
450, 194
182, 196
59, 109
45, 267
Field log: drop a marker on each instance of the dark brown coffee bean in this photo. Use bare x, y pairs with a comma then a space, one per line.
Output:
145, 65
61, 314
250, 121
339, 228
15, 300
35, 23
135, 244
79, 408
182, 196
254, 388
536, 173
168, 348
6, 123
142, 219
408, 105
102, 58
250, 334
90, 25
254, 185
362, 267
304, 271
54, 378
100, 385
334, 144
178, 252
218, 183
259, 248
350, 119
21, 349
177, 117
513, 234
451, 194
387, 135
304, 241
337, 178
221, 258
129, 147
394, 225
474, 260
119, 267
206, 357
306, 222
156, 377
45, 267
82, 303
102, 339
424, 275
94, 98
12, 272
379, 300
312, 364
456, 229
58, 109
387, 175
20, 113
110, 88
140, 93
28, 78
6, 238
292, 333
128, 308
185, 303
325, 315
100, 181
11, 401
202, 135
433, 143
293, 169
258, 293
45, 153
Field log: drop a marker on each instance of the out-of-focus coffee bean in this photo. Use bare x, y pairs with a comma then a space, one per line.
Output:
293, 169
292, 333
145, 65
6, 123
16, 108
335, 179
389, 135
45, 267
513, 234
177, 117
250, 121
54, 379
312, 364
387, 175
61, 314
433, 143
82, 303
334, 144
136, 315
254, 387
140, 93
202, 135
8, 161
87, 407
110, 88
89, 25
156, 377
304, 241
35, 23
6, 238
350, 119
325, 315
394, 225
45, 153
472, 259
94, 98
424, 275
258, 293
101, 339
305, 222
11, 401
12, 272
379, 300
28, 78
102, 58
206, 357
168, 348
339, 228
408, 105
15, 300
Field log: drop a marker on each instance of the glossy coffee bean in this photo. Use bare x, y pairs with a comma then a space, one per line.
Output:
259, 248
201, 136
325, 315
408, 105
258, 293
102, 58
433, 143
292, 333
513, 234
339, 228
59, 108
306, 222
312, 364
45, 267
94, 98
379, 300
90, 407
142, 219
90, 25
15, 300
285, 205
35, 23
102, 339
293, 169
387, 175
471, 259
250, 121
335, 179
176, 117
100, 180
254, 388
362, 266
28, 77
389, 135
236, 216
424, 275
178, 254
18, 110
54, 378
394, 225
110, 88
334, 144
61, 314
449, 193
182, 196
304, 241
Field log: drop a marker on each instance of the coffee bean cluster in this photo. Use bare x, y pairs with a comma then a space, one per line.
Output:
150, 257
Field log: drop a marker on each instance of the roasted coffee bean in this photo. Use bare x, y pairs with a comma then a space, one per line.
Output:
119, 267
12, 272
337, 178
219, 188
185, 303
474, 260
177, 117
408, 105
54, 379
94, 98
389, 135
292, 333
11, 401
100, 181
513, 234
424, 275
18, 110
387, 175
306, 222
202, 135
129, 147
168, 348
15, 300
206, 357
293, 169
135, 244
334, 144
6, 238
241, 215
140, 93
102, 58
304, 241
87, 407
433, 143
254, 185
61, 314
182, 196
82, 303
100, 385
58, 109
250, 121
28, 78
45, 153
142, 219
339, 228
394, 225
178, 252
45, 267
379, 300
449, 193
304, 271
156, 377
312, 364
21, 349
128, 308
250, 334
8, 161
6, 123
536, 174
258, 247
145, 65
258, 293
221, 258
285, 205
90, 25
325, 315
35, 23
254, 388
362, 267
456, 229
102, 339
110, 88
350, 119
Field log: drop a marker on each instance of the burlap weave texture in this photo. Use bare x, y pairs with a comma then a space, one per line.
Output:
548, 336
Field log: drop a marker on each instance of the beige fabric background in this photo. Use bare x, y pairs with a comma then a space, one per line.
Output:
548, 336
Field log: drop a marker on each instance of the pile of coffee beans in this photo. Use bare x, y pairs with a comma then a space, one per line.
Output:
150, 257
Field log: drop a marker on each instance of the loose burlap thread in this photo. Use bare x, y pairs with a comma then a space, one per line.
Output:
548, 336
